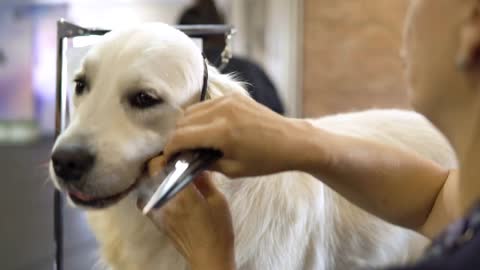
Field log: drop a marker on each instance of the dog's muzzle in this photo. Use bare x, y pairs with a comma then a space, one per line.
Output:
71, 162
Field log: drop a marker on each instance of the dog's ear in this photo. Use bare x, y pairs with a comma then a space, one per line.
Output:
223, 84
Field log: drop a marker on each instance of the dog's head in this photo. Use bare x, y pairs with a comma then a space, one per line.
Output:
129, 91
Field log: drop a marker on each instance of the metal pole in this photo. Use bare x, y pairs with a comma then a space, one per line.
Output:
57, 196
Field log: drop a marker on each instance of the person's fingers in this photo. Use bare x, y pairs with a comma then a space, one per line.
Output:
201, 117
230, 168
210, 136
178, 207
222, 107
217, 104
201, 106
188, 196
183, 202
141, 202
156, 164
155, 215
180, 203
205, 185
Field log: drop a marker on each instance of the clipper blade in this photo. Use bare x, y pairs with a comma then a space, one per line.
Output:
178, 173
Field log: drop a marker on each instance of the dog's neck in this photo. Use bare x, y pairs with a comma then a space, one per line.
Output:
123, 232
122, 229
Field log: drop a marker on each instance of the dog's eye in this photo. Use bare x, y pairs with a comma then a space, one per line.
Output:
80, 86
142, 100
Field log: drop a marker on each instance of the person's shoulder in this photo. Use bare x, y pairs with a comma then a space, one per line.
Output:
446, 208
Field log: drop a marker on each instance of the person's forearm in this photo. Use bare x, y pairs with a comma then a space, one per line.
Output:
223, 263
214, 267
394, 184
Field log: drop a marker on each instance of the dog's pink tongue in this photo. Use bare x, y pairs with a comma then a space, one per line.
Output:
82, 196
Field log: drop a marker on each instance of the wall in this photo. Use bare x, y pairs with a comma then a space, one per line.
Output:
351, 55
269, 32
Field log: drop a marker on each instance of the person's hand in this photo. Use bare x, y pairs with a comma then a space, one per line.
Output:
253, 139
198, 222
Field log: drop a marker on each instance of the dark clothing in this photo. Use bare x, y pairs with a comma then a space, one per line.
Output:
257, 82
458, 248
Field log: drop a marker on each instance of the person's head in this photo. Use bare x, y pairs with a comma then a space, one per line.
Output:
204, 12
442, 51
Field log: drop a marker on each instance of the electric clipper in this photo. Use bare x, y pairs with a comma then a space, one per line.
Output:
179, 172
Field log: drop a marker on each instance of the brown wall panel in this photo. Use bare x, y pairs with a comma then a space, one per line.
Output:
351, 55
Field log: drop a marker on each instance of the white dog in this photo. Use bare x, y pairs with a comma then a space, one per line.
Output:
128, 95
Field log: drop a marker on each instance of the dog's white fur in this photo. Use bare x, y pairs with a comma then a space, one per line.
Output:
283, 221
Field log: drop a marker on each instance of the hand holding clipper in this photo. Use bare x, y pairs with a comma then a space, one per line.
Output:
179, 172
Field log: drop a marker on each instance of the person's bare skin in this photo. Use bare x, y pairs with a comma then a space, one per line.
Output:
256, 141
379, 178
203, 204
442, 42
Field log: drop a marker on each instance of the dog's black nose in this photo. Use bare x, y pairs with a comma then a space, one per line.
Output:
71, 162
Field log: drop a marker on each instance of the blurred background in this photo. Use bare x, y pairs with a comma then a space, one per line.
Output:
302, 58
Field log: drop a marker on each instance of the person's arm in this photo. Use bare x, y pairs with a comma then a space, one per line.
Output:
394, 184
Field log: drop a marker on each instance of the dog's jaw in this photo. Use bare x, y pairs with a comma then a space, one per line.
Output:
89, 202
